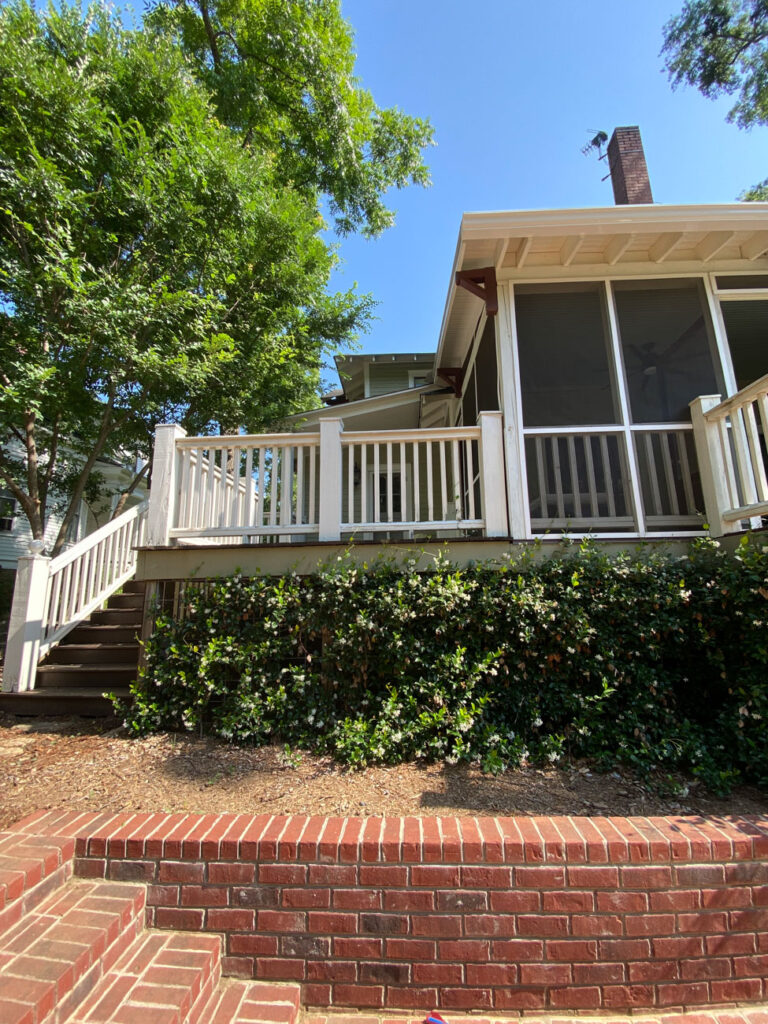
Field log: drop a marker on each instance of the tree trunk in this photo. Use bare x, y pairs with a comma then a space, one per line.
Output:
82, 480
125, 495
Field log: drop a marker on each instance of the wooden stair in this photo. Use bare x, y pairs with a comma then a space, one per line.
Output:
101, 655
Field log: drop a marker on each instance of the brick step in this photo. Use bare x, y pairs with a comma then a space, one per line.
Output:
164, 978
94, 654
31, 868
241, 1001
72, 700
100, 677
97, 633
118, 617
128, 600
59, 951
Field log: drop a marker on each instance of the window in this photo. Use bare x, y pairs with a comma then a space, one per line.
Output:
668, 347
565, 372
746, 325
417, 378
8, 511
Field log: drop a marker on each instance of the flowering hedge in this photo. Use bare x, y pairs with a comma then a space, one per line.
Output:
657, 662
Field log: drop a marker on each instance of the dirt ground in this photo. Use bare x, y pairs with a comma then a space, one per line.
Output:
86, 765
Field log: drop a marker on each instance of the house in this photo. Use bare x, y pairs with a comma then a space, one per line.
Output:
598, 372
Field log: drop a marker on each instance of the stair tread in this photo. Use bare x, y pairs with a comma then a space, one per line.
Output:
89, 669
78, 931
237, 1000
164, 977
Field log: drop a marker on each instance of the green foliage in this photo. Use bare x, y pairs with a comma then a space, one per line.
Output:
656, 663
161, 246
721, 47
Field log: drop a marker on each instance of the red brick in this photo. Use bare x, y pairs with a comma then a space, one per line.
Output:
442, 876
743, 989
283, 874
652, 924
744, 921
306, 897
624, 949
707, 967
236, 874
518, 950
654, 970
357, 948
464, 950
175, 917
355, 899
729, 944
571, 949
539, 924
750, 966
409, 899
255, 896
204, 896
593, 877
316, 995
700, 876
491, 974
545, 974
330, 923
620, 996
462, 899
466, 998
276, 969
678, 947
437, 924
304, 946
623, 902
598, 974
483, 878
658, 876
438, 974
231, 920
163, 895
332, 874
386, 973
409, 949
358, 995
411, 998
388, 875
87, 868
733, 896
566, 900
575, 997
492, 925
516, 902
281, 921
540, 877
257, 945
680, 899
682, 994
383, 924
332, 970
237, 966
180, 871
596, 924
706, 921
519, 998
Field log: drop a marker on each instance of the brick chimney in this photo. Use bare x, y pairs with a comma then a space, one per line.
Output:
629, 173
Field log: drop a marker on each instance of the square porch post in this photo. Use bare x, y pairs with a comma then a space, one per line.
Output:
329, 511
163, 494
25, 629
492, 478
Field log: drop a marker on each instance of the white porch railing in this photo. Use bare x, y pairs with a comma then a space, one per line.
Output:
612, 480
731, 442
327, 485
51, 596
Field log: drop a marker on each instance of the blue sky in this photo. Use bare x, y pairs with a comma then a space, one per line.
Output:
512, 89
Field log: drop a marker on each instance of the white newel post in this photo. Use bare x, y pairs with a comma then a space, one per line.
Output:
329, 511
25, 628
712, 469
492, 482
163, 494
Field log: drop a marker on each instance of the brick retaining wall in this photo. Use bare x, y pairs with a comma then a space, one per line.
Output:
509, 914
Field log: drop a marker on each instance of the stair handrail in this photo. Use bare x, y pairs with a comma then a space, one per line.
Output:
53, 595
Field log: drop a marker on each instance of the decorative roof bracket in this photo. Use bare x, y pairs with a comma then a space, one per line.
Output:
455, 377
482, 283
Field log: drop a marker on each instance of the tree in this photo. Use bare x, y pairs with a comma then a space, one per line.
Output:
155, 262
721, 47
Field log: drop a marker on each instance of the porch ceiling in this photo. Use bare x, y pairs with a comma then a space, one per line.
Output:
642, 240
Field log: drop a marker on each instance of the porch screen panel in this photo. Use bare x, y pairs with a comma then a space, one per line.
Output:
668, 348
565, 373
486, 371
746, 325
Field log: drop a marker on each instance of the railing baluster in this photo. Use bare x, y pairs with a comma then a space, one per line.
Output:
234, 508
575, 485
301, 453
457, 502
276, 471
665, 442
555, 449
653, 476
468, 460
313, 449
184, 497
390, 484
364, 482
259, 517
594, 502
351, 484
746, 478
443, 481
403, 491
543, 481
756, 456
430, 485
376, 485
247, 515
608, 475
727, 455
685, 469
416, 456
